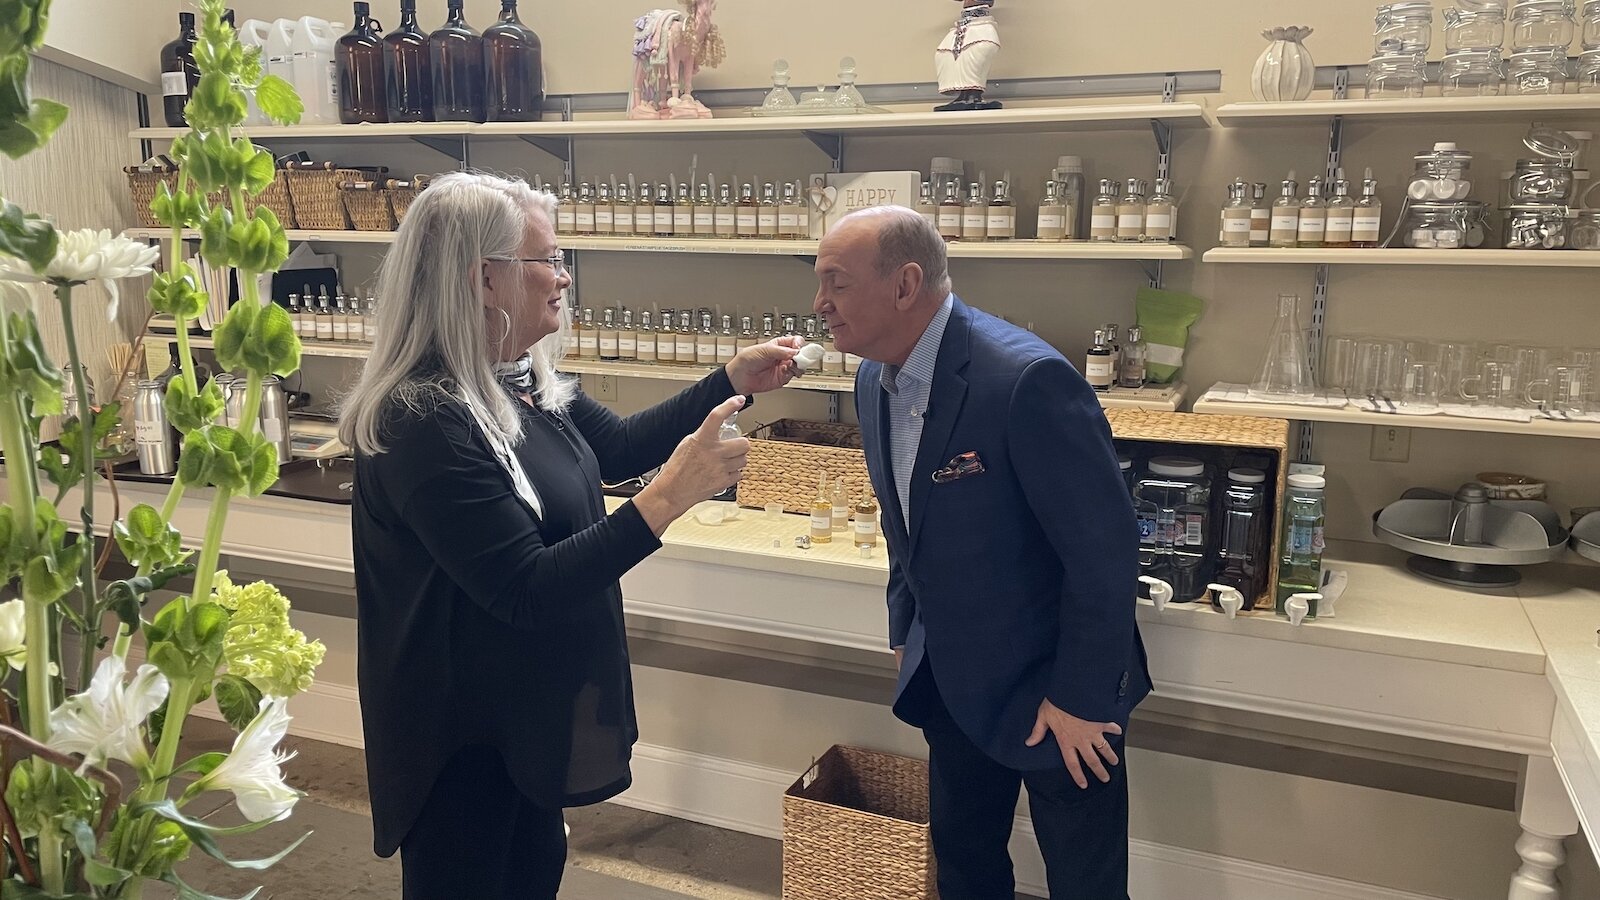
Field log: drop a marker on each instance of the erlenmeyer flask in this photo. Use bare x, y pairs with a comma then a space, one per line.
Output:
1285, 373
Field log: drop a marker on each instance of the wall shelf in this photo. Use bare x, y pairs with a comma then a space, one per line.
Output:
1350, 416
307, 348
1459, 110
1406, 257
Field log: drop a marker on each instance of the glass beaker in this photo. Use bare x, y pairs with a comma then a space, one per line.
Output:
1377, 373
1285, 372
1567, 390
1339, 365
1419, 387
1494, 386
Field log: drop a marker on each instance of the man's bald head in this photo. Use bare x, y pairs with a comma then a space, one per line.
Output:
905, 237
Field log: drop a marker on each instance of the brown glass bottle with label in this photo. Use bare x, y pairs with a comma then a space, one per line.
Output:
359, 60
513, 69
179, 74
456, 53
408, 69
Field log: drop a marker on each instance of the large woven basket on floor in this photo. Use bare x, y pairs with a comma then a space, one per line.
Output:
314, 190
855, 827
787, 457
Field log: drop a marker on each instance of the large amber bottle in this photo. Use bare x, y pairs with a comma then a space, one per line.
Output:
409, 81
456, 54
513, 68
359, 56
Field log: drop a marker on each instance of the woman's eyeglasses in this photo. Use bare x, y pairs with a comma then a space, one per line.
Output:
557, 263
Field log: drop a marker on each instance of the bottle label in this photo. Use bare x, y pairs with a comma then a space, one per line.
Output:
1131, 222
1166, 528
174, 84
663, 220
974, 222
627, 345
704, 219
340, 329
788, 220
1313, 226
748, 219
841, 514
372, 332
683, 221
1001, 222
821, 520
647, 344
1194, 531
726, 352
852, 362
768, 219
1158, 221
1366, 225
866, 526
725, 220
705, 350
1098, 370
1048, 221
1306, 539
1147, 529
272, 430
1238, 225
586, 220
929, 215
566, 220
949, 220
685, 348
324, 331
1103, 221
1286, 223
571, 344
608, 345
832, 358
604, 219
149, 432
624, 221
589, 342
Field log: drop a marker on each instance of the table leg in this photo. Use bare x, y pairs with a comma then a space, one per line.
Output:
1547, 817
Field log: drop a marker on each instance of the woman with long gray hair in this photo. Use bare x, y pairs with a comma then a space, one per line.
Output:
493, 665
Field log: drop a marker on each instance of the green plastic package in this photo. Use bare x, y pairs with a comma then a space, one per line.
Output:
1164, 318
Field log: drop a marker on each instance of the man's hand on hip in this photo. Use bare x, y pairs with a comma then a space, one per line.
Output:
1078, 740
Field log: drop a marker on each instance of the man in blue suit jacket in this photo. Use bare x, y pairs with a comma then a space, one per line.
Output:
1013, 563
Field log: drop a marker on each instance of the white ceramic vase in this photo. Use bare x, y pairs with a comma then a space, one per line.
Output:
1285, 70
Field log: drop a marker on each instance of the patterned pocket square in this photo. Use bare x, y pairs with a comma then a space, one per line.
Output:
967, 465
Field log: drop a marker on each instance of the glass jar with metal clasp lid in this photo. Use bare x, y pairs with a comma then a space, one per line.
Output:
1459, 225
1537, 72
1591, 25
1542, 180
1585, 231
1404, 28
1474, 26
1535, 226
1539, 24
1589, 72
1472, 73
1395, 77
1440, 174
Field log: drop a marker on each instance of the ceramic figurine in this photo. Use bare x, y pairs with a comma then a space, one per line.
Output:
669, 47
965, 56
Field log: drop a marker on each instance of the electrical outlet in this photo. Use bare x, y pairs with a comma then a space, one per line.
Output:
1391, 443
605, 387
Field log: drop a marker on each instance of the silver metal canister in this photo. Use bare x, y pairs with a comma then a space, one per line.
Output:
275, 416
152, 434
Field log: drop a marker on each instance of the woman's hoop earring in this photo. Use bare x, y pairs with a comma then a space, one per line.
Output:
502, 338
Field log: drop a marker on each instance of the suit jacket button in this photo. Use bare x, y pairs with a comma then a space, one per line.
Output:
1122, 688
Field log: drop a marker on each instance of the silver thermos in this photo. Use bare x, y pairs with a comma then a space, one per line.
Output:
275, 416
152, 434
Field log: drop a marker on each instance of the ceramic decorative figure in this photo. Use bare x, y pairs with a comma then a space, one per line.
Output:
1285, 70
669, 47
966, 54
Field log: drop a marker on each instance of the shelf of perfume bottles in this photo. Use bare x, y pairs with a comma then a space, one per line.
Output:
1347, 415
308, 347
1549, 109
1012, 249
1037, 119
1400, 256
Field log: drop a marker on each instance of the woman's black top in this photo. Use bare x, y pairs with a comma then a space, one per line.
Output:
480, 623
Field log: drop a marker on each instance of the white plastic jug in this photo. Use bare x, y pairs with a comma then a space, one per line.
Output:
254, 33
316, 77
277, 57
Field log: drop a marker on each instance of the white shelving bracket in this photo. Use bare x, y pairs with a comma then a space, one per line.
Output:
454, 147
831, 144
1152, 271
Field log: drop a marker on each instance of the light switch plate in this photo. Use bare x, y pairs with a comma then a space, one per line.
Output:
605, 387
1391, 443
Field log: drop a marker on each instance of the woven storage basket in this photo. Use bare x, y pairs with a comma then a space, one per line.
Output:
401, 193
787, 457
276, 198
143, 183
314, 190
368, 205
1191, 434
855, 827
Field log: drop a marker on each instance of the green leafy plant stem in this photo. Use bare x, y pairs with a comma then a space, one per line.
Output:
85, 451
180, 699
211, 549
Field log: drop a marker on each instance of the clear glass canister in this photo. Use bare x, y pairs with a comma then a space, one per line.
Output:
1589, 72
1394, 77
1446, 226
1472, 73
1403, 28
1538, 71
1591, 25
1442, 173
1537, 24
1541, 180
1537, 227
1173, 502
1585, 231
1474, 29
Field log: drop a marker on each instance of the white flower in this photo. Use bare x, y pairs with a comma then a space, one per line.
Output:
86, 255
104, 722
13, 630
253, 771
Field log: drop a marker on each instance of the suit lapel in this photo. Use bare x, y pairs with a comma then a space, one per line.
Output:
945, 399
877, 427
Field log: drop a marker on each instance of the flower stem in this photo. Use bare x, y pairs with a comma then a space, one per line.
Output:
179, 701
91, 635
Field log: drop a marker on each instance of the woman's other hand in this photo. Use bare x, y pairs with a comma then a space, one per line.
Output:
701, 468
765, 367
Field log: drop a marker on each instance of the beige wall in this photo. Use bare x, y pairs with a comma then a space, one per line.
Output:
116, 40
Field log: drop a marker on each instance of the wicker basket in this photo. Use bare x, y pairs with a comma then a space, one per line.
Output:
143, 184
401, 193
314, 190
788, 456
367, 203
276, 198
855, 827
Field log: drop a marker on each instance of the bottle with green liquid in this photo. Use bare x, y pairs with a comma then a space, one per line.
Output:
1300, 568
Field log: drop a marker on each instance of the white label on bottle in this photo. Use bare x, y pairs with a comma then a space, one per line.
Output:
149, 432
608, 346
705, 350
1105, 221
341, 330
174, 84
768, 219
685, 347
1193, 534
1051, 221
1156, 221
589, 342
683, 220
852, 362
324, 331
605, 218
1236, 226
623, 221
788, 220
725, 220
950, 219
1001, 222
372, 331
974, 222
1313, 226
1131, 222
662, 218
805, 222
571, 345
704, 219
866, 526
1286, 223
821, 520
627, 346
930, 216
566, 220
585, 220
1366, 225
841, 514
725, 352
272, 430
647, 344
748, 219
1098, 370
832, 357
333, 83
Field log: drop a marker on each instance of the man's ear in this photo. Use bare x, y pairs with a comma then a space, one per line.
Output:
908, 285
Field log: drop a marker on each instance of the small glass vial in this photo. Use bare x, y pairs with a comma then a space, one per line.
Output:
584, 212
1103, 214
1097, 367
605, 210
747, 219
684, 339
705, 345
340, 326
570, 342
1313, 216
727, 342
644, 211
1130, 213
1113, 331
627, 339
371, 323
950, 213
1002, 214
666, 341
1161, 214
324, 317
566, 211
1134, 353
623, 210
1341, 216
1235, 226
665, 218
788, 324
608, 335
747, 335
926, 207
683, 212
1052, 215
832, 356
789, 216
852, 364
767, 213
727, 213
822, 513
1261, 216
839, 513
866, 520
975, 215
1367, 223
768, 332
1286, 216
805, 213
705, 213
353, 330
295, 314
645, 348
588, 337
